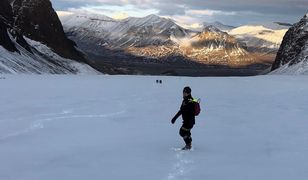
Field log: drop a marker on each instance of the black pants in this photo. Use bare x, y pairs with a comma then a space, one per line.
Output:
185, 133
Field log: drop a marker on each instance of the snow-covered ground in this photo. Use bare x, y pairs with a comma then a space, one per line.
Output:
118, 127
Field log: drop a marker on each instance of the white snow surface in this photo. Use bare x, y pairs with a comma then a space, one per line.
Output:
98, 127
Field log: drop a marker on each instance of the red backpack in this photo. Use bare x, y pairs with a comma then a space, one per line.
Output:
197, 106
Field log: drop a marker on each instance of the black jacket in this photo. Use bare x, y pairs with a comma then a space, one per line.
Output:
187, 111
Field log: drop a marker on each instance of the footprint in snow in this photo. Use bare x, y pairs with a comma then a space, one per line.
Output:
181, 167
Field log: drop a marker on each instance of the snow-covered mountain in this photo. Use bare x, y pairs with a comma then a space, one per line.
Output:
219, 26
292, 57
274, 25
33, 41
153, 37
105, 31
258, 38
213, 46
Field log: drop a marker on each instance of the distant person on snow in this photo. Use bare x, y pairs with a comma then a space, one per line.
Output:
188, 113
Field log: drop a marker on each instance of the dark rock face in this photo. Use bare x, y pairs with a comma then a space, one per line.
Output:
7, 29
294, 45
6, 12
37, 20
6, 19
5, 40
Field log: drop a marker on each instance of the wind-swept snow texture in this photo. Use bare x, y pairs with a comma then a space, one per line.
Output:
118, 127
42, 61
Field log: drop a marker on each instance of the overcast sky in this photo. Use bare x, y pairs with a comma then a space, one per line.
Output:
194, 12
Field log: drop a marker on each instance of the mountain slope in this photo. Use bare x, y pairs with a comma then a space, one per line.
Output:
115, 34
219, 25
211, 46
23, 55
292, 56
37, 20
41, 60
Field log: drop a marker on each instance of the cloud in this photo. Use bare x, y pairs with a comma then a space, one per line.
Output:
234, 12
120, 15
171, 10
195, 26
208, 12
115, 11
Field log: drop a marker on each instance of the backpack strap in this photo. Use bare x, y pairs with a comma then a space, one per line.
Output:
194, 100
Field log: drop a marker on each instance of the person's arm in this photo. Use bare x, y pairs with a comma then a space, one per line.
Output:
176, 116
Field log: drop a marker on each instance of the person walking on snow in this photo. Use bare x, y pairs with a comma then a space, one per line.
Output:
187, 111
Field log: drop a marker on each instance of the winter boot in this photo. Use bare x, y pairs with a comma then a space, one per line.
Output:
187, 147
